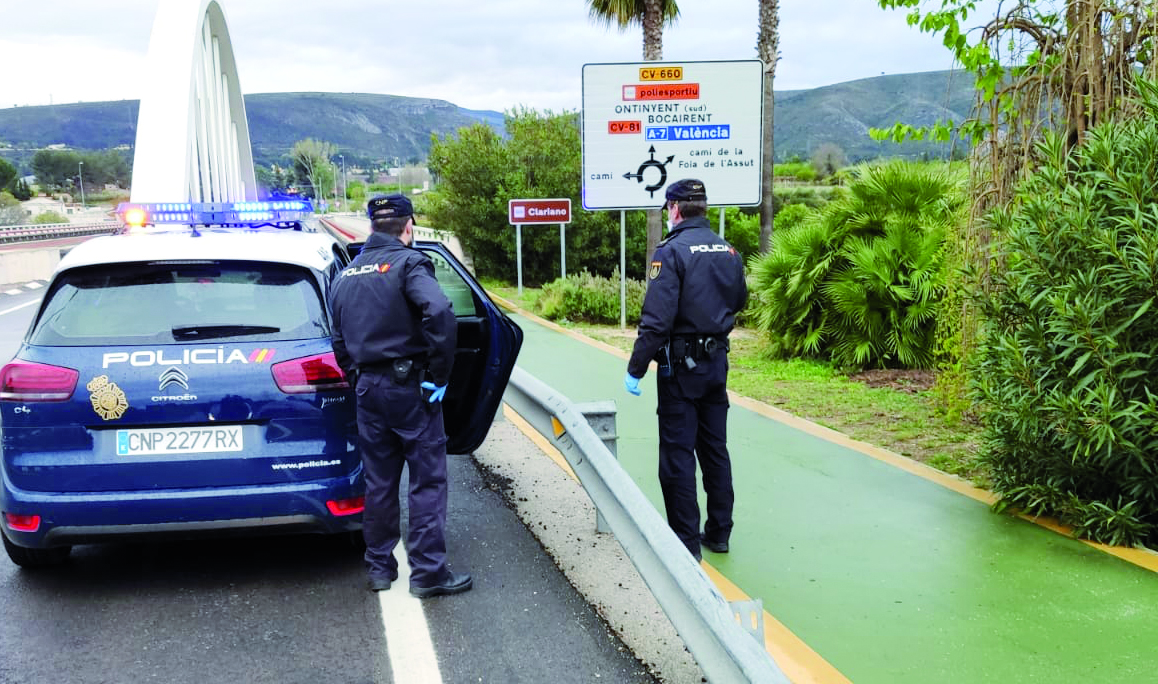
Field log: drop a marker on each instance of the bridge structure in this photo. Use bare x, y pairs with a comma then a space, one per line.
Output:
192, 134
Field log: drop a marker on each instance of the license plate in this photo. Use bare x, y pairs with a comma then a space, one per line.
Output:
202, 440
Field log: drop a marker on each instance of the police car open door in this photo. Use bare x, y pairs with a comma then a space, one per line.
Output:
488, 344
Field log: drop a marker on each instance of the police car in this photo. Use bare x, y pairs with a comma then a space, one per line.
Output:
178, 379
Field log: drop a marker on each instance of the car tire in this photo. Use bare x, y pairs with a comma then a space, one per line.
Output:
36, 558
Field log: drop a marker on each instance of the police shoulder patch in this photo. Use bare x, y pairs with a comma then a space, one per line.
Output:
653, 273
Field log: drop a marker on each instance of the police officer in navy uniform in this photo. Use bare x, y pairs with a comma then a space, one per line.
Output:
695, 288
394, 331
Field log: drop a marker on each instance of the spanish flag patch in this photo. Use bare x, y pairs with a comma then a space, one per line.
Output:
654, 272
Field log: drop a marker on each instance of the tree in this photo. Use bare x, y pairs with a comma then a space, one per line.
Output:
768, 48
7, 173
312, 165
479, 171
651, 15
56, 169
11, 213
20, 190
828, 159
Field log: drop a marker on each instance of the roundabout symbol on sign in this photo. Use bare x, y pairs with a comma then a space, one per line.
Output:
662, 166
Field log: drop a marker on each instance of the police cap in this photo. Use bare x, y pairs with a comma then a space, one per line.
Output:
686, 190
389, 206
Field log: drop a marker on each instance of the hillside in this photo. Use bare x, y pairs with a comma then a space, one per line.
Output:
381, 127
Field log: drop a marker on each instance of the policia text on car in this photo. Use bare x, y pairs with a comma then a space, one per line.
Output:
695, 287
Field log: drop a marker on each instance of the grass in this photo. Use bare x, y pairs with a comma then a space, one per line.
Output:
900, 418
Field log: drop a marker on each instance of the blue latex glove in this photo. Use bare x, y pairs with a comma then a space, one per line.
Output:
436, 391
632, 384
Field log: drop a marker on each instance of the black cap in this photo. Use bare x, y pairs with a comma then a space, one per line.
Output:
389, 206
686, 190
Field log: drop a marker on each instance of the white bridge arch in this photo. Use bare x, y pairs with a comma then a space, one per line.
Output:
192, 135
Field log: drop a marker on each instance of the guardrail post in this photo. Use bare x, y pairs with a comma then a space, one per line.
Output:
600, 416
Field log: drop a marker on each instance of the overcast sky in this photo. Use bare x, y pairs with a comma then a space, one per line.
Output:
480, 55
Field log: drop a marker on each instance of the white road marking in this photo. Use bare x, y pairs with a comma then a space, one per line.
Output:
19, 306
412, 657
33, 285
11, 292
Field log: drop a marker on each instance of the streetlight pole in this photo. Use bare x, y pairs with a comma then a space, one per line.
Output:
345, 189
80, 171
398, 163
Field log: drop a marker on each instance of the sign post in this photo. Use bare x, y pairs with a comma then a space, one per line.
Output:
538, 211
647, 124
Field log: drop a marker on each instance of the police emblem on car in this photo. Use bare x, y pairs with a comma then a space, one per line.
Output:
107, 399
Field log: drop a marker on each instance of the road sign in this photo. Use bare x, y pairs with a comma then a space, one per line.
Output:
647, 124
521, 211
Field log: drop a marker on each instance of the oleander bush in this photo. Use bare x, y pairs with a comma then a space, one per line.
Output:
859, 281
589, 298
1069, 356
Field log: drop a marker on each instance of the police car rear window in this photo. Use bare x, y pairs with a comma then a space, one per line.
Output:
170, 302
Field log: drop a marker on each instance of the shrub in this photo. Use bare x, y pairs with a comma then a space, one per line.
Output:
49, 217
859, 281
1070, 345
586, 297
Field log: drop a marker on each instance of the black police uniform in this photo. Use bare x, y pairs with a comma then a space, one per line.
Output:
696, 286
392, 325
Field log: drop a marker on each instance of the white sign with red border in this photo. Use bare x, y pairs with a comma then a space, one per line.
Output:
526, 211
648, 124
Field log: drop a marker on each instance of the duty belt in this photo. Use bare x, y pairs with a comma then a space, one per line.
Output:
697, 347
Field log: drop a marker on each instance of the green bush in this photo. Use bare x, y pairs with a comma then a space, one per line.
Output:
801, 171
859, 281
49, 217
1070, 346
591, 298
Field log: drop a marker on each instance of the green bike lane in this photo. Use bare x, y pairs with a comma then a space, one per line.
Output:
887, 576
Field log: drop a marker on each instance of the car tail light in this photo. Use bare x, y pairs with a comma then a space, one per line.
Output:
347, 506
309, 374
22, 523
27, 381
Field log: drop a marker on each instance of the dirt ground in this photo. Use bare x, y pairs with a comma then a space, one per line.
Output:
911, 381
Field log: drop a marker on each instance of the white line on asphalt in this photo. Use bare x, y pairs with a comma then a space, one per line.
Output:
412, 657
17, 291
33, 285
19, 306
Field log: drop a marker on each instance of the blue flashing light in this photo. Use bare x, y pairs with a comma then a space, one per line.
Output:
239, 214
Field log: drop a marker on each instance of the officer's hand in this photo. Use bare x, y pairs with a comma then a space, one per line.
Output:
632, 384
436, 391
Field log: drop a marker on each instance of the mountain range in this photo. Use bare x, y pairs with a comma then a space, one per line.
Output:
384, 127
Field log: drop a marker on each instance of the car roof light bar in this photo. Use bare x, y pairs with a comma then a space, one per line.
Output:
235, 214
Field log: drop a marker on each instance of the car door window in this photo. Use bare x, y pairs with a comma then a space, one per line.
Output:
454, 286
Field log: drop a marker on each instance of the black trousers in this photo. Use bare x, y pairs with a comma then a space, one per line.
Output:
397, 427
693, 425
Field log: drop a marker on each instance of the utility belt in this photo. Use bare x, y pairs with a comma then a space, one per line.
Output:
401, 370
687, 350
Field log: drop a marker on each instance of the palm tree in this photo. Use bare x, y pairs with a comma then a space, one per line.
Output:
767, 47
651, 15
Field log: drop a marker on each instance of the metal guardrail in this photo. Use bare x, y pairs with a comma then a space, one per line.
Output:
49, 231
724, 650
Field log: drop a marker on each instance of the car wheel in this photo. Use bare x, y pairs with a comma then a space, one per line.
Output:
36, 558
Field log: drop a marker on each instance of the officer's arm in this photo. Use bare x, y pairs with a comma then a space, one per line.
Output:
439, 328
659, 309
743, 295
336, 340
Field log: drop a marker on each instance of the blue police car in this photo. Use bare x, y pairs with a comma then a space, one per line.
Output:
178, 379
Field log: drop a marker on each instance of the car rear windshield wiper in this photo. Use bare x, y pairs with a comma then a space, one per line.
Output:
184, 332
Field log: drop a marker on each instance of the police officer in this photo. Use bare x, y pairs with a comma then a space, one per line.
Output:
695, 287
394, 331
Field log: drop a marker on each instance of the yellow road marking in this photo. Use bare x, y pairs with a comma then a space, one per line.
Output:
1142, 557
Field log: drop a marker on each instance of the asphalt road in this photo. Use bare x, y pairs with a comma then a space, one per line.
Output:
294, 609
